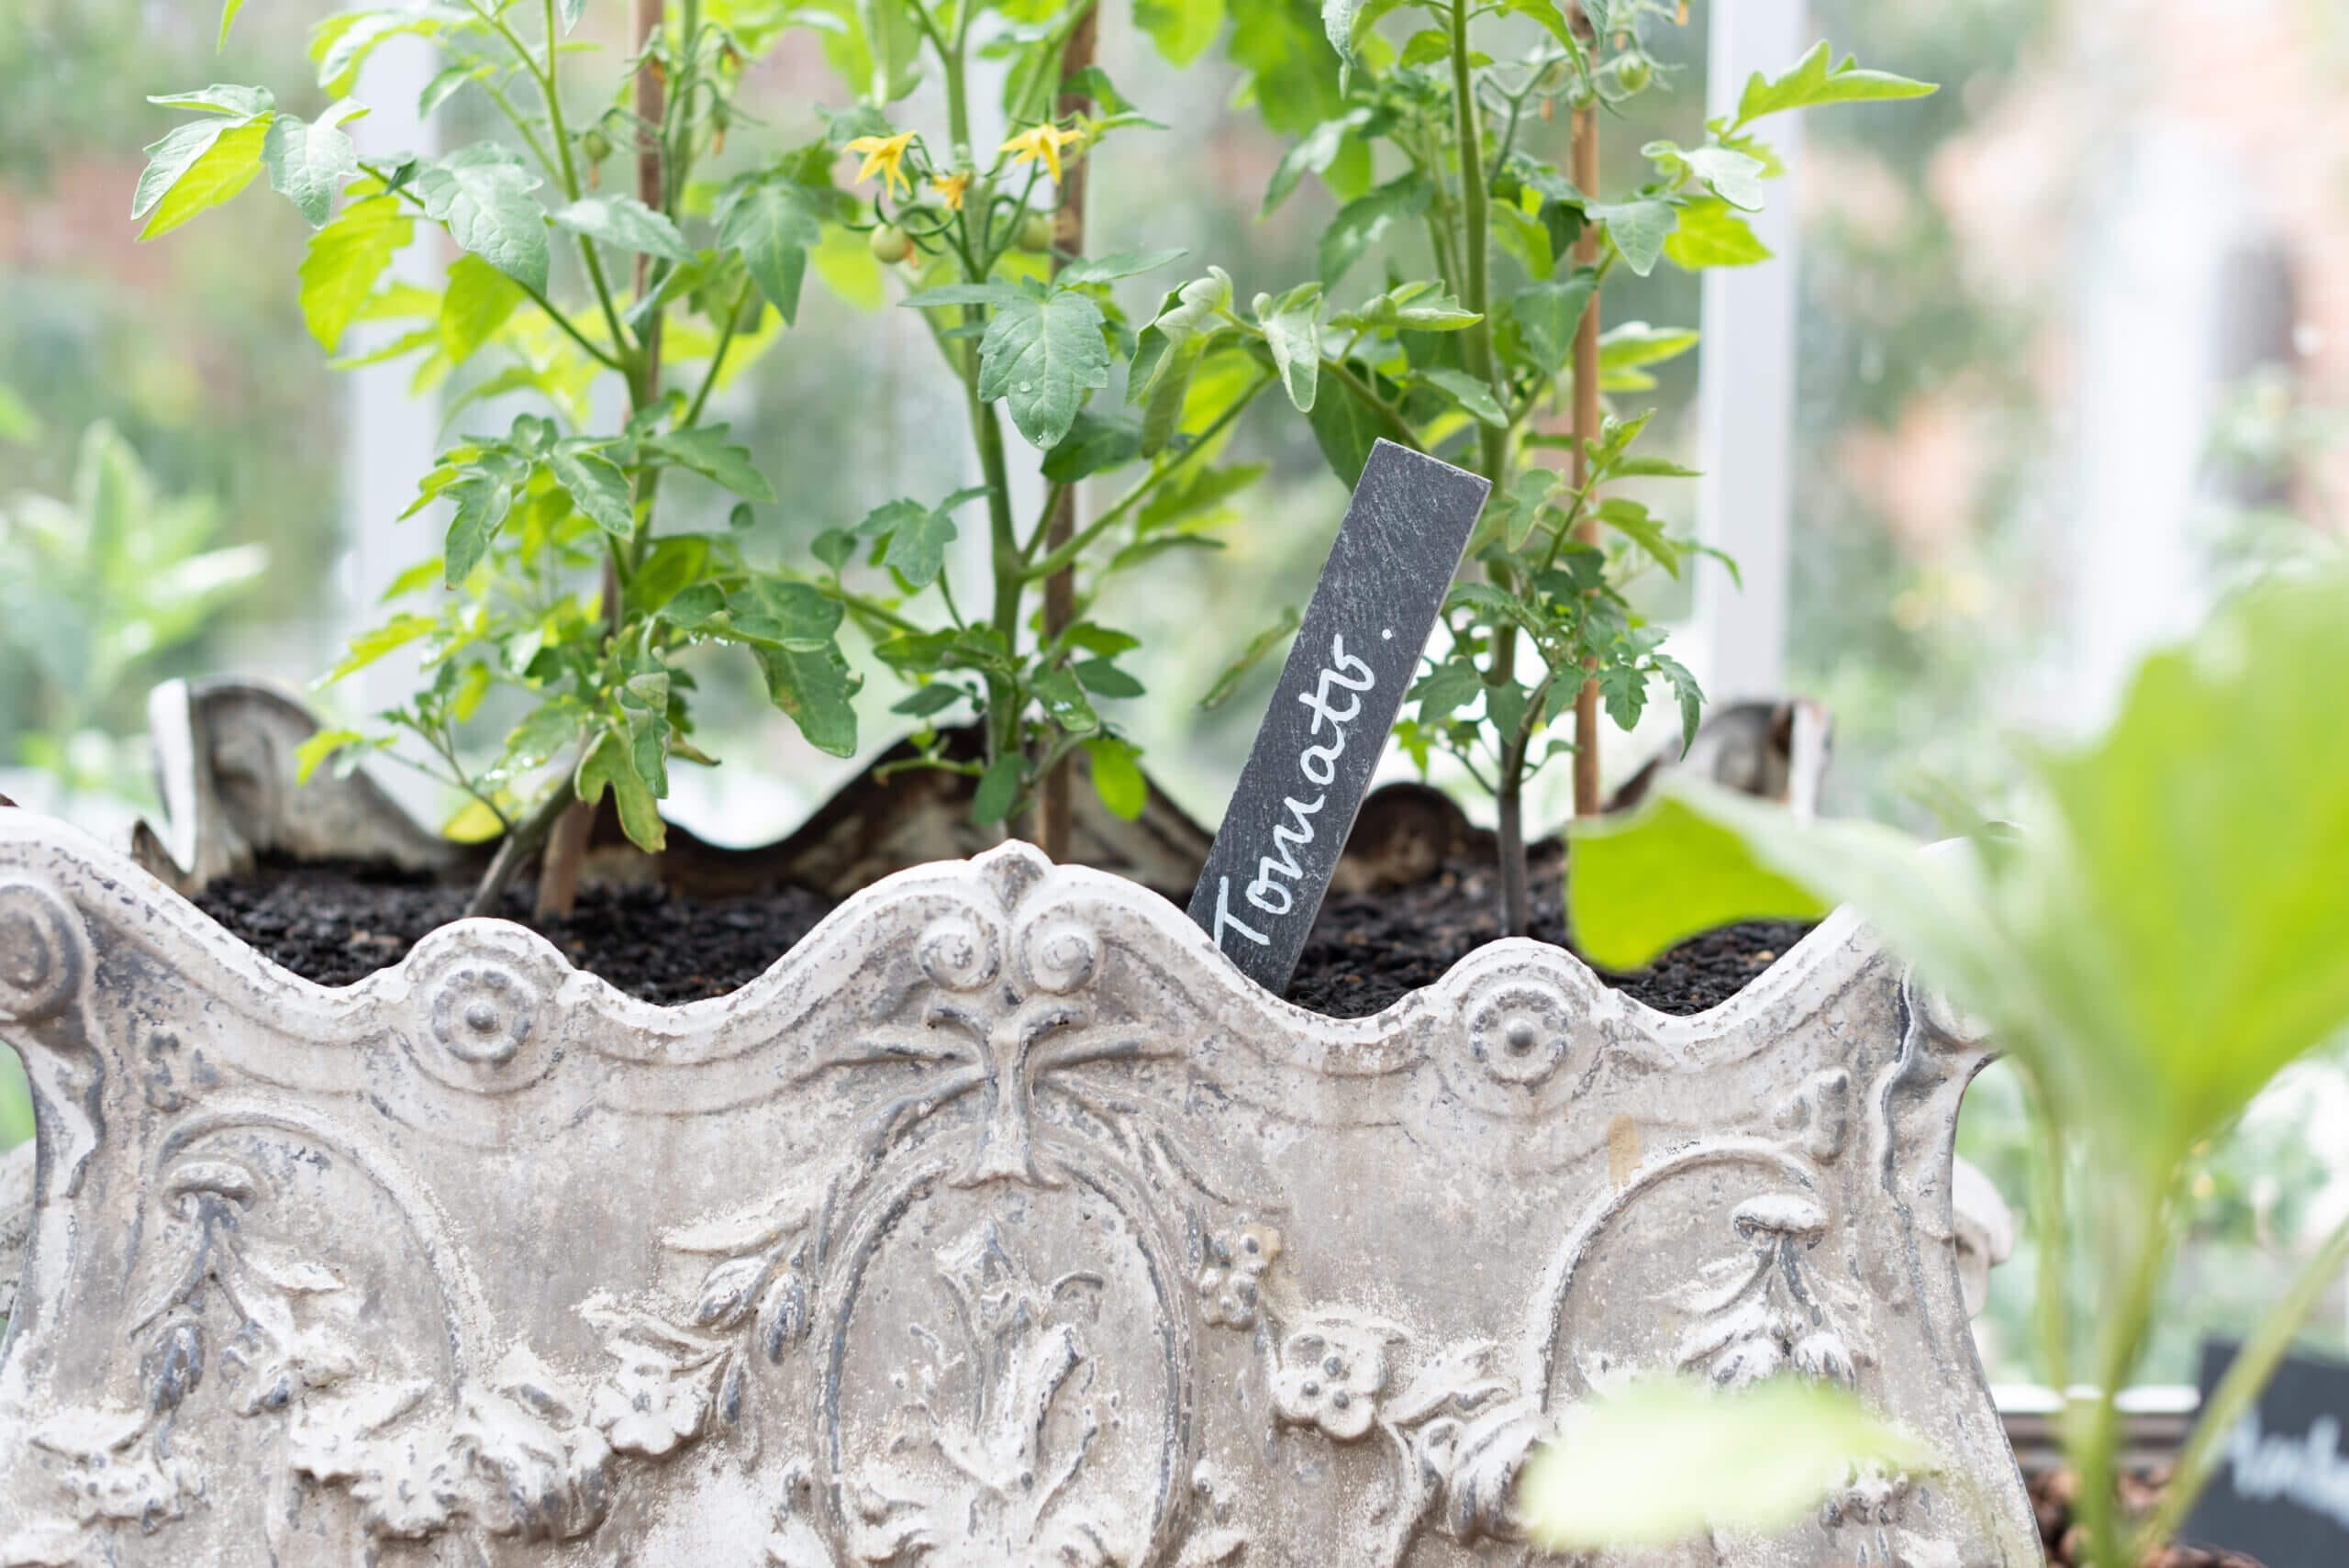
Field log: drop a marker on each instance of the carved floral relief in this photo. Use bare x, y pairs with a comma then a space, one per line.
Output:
1001, 1224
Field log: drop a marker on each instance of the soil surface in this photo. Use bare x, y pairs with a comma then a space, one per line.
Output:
1367, 952
2052, 1493
336, 924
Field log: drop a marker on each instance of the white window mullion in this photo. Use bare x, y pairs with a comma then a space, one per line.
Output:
1746, 382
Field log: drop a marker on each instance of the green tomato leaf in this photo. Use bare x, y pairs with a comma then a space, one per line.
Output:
1711, 235
1422, 306
1181, 29
1346, 429
443, 87
536, 742
773, 224
1474, 395
1094, 442
1115, 778
376, 642
815, 690
1260, 645
1292, 326
927, 702
1643, 529
1639, 229
1812, 81
1686, 693
1167, 389
612, 762
998, 295
341, 43
310, 162
918, 542
1361, 221
1064, 701
1109, 269
1338, 24
194, 168
1168, 351
1651, 468
315, 752
1548, 315
482, 193
476, 302
998, 787
597, 485
1288, 76
626, 223
1041, 357
1637, 343
882, 521
572, 11
221, 99
344, 261
705, 450
1314, 153
1104, 679
228, 10
483, 500
1424, 47
1734, 177
1447, 688
1553, 22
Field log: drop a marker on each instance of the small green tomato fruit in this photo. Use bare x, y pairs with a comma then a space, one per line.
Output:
1633, 74
1035, 232
891, 244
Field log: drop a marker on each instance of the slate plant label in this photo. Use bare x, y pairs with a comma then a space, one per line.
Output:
2281, 1489
1355, 655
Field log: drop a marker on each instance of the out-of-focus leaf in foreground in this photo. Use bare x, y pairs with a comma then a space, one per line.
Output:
2168, 931
1667, 1459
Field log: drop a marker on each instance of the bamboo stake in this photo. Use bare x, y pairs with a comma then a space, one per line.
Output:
1055, 800
1584, 130
566, 842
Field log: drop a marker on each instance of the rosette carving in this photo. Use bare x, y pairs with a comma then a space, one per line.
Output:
41, 953
1003, 1223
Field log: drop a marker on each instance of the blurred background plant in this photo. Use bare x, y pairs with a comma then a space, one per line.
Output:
104, 590
2164, 935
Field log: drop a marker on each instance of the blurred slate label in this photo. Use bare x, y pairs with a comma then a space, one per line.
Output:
2280, 1488
1354, 657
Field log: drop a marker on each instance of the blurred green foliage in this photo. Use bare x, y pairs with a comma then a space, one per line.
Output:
2170, 934
1751, 1462
97, 588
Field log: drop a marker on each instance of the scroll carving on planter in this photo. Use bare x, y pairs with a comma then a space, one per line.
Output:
1002, 1223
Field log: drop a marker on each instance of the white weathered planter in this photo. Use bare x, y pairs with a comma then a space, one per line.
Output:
1001, 1223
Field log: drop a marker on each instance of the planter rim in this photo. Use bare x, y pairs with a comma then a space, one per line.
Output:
482, 1208
1826, 945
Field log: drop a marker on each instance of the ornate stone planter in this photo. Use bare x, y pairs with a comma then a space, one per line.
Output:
1003, 1223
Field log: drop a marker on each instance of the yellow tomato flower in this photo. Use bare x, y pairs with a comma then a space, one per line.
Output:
950, 188
1044, 141
888, 154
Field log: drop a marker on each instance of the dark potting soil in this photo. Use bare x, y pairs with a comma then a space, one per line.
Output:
1369, 951
335, 924
2054, 1493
